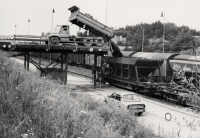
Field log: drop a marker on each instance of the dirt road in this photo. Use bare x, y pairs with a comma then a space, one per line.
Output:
183, 123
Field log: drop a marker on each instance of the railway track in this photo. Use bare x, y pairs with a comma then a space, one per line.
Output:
78, 74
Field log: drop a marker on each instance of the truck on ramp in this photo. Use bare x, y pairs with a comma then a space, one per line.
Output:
87, 22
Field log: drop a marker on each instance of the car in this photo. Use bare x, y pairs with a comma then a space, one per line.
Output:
127, 101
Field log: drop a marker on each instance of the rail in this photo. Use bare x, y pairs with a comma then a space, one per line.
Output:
80, 74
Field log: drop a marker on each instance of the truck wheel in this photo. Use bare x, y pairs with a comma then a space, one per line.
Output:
100, 42
87, 42
54, 41
140, 113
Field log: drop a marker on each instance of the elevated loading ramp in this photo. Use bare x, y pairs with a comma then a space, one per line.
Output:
24, 45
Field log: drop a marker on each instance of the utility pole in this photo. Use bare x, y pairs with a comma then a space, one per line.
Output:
163, 15
15, 29
28, 26
52, 19
142, 38
106, 11
51, 30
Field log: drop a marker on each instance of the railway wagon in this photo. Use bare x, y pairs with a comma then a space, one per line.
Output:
82, 60
165, 68
133, 73
144, 76
89, 60
189, 64
77, 59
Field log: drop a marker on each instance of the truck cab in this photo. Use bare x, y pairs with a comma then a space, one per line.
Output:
59, 35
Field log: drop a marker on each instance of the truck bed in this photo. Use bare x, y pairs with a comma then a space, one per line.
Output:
88, 23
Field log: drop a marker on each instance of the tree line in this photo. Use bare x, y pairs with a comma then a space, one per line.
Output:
175, 38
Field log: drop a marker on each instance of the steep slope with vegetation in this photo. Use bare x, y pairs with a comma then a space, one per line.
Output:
35, 107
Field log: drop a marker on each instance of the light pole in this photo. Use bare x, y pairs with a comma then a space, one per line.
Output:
28, 26
142, 38
15, 29
106, 11
52, 20
51, 29
163, 15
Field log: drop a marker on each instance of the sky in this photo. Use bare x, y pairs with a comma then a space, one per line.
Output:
113, 13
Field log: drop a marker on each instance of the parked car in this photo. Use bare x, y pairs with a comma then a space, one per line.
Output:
128, 101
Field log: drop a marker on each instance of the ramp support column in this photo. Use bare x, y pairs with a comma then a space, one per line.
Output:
62, 61
66, 67
40, 56
95, 69
28, 56
25, 60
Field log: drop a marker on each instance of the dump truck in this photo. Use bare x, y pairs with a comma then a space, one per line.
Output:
103, 34
61, 34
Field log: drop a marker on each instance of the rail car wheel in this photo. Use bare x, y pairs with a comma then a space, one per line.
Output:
87, 42
151, 92
54, 41
178, 102
133, 88
109, 82
112, 70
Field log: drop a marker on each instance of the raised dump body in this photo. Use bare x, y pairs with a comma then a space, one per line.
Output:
89, 23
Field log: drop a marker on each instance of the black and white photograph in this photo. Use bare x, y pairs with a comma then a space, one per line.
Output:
99, 69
